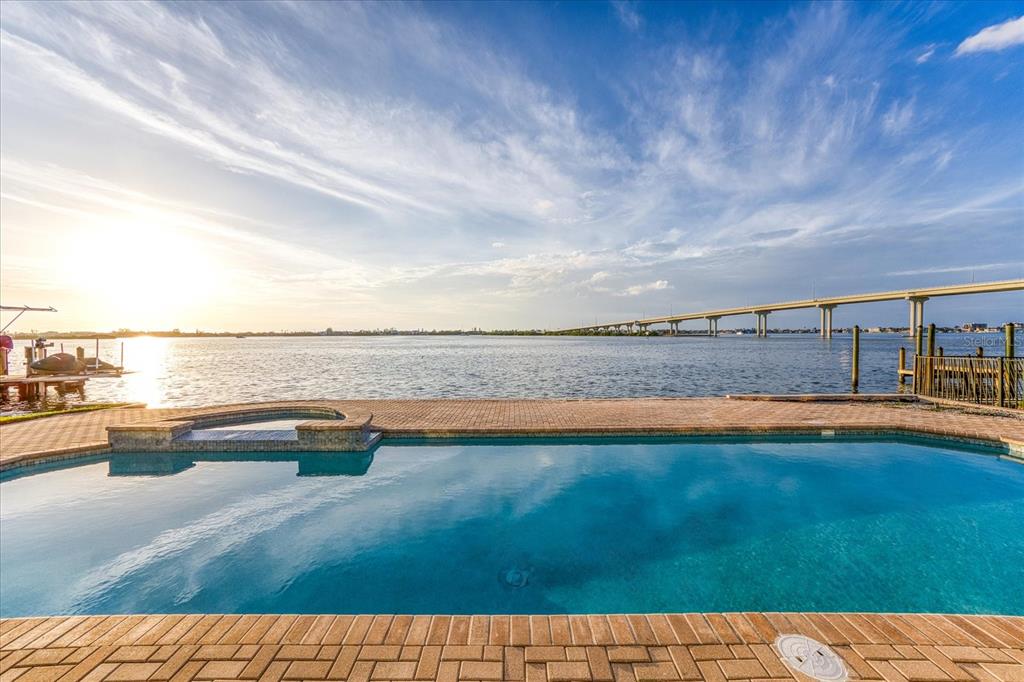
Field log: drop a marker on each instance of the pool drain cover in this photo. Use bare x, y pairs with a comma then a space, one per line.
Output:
811, 658
515, 577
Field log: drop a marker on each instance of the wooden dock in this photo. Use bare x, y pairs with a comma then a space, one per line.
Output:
33, 387
36, 386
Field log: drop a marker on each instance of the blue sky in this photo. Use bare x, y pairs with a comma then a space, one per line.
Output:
290, 165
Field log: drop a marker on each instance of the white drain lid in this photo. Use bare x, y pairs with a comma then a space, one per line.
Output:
811, 658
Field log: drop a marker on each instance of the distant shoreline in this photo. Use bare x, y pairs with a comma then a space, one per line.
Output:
127, 334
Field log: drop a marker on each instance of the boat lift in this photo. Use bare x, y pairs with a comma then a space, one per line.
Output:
22, 309
28, 386
6, 342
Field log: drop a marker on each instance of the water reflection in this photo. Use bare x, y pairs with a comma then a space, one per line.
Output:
531, 527
157, 464
309, 464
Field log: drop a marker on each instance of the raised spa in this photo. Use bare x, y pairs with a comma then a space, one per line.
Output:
528, 526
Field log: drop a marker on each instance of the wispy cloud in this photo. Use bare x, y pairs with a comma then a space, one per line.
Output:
385, 156
994, 38
959, 268
366, 151
898, 117
638, 289
627, 14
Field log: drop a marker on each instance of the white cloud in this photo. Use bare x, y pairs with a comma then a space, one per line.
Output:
929, 52
994, 38
246, 110
638, 289
629, 17
956, 268
943, 160
898, 117
497, 245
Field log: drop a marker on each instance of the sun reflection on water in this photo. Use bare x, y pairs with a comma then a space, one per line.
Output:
146, 357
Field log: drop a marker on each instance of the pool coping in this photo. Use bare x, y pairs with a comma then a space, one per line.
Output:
1005, 448
988, 430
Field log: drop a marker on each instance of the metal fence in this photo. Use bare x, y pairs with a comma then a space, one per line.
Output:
985, 381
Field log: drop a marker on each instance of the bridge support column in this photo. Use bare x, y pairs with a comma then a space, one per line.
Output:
826, 321
713, 326
762, 323
916, 313
673, 328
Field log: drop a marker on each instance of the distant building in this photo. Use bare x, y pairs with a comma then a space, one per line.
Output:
974, 326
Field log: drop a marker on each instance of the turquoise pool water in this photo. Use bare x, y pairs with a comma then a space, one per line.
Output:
522, 527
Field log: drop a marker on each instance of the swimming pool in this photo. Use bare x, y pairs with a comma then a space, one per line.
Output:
526, 526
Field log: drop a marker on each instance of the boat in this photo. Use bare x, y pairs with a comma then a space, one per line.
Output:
95, 364
58, 363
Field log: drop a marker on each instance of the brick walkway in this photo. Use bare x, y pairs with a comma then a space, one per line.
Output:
712, 647
86, 431
532, 648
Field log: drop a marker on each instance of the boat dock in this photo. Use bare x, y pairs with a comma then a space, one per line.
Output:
34, 387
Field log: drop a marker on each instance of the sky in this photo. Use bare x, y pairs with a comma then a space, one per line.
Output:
288, 165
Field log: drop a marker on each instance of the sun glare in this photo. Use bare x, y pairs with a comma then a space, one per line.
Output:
147, 275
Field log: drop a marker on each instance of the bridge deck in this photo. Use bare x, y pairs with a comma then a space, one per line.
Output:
899, 295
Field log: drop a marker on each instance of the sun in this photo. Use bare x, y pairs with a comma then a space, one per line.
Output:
146, 274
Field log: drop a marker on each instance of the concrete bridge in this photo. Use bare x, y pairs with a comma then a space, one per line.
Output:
915, 299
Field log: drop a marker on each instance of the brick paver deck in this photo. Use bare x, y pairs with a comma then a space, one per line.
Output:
25, 441
623, 648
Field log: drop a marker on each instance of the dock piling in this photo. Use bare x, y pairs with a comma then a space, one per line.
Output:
1008, 339
1001, 382
855, 364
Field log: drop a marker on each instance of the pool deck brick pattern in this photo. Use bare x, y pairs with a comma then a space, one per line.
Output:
53, 437
619, 648
560, 648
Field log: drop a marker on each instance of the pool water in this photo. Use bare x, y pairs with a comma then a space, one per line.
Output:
532, 526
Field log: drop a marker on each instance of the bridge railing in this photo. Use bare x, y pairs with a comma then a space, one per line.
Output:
997, 381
